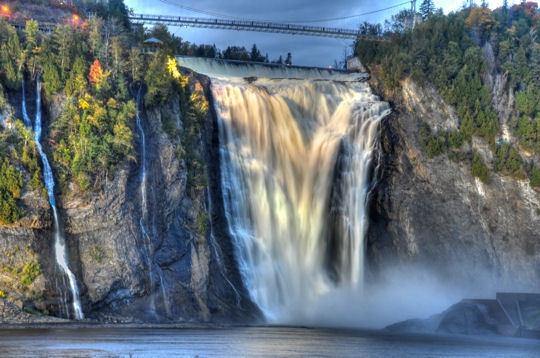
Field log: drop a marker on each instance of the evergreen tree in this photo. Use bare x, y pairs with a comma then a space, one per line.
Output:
427, 8
288, 60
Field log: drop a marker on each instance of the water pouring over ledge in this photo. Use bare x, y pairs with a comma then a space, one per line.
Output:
59, 241
296, 149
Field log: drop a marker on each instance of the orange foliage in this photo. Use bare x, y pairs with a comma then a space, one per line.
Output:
96, 72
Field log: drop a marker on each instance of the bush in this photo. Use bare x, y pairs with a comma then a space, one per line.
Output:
11, 184
535, 177
30, 272
432, 143
479, 169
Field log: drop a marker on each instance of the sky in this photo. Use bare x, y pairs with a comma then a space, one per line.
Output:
305, 50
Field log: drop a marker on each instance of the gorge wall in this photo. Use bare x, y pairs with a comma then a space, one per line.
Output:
178, 271
433, 215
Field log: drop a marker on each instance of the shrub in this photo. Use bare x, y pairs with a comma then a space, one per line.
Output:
479, 169
30, 271
535, 177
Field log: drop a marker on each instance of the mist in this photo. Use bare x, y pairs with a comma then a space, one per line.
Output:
399, 294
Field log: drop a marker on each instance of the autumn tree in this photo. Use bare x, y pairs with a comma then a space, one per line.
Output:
96, 72
481, 21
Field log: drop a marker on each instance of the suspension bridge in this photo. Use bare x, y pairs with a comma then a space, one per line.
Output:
259, 26
221, 21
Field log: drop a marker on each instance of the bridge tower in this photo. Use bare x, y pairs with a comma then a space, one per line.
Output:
413, 6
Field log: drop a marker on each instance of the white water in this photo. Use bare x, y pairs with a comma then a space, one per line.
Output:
295, 157
241, 69
144, 218
59, 241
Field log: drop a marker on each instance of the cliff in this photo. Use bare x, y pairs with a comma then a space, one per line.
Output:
167, 266
431, 213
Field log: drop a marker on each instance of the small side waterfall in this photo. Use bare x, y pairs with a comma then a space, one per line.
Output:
26, 118
144, 217
295, 164
59, 241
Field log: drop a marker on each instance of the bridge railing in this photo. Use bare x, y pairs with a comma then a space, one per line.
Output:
249, 25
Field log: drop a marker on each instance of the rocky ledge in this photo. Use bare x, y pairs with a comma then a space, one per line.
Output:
510, 314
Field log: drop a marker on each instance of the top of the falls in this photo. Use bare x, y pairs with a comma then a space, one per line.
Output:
243, 69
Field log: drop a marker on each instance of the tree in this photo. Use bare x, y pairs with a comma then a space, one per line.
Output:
76, 82
95, 37
255, 54
96, 72
51, 78
481, 20
236, 53
288, 60
427, 8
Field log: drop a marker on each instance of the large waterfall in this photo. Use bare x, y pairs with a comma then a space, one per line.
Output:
59, 241
296, 156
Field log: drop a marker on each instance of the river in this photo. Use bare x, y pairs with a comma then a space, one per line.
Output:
272, 341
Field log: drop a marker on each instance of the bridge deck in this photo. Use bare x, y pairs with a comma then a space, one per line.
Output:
248, 25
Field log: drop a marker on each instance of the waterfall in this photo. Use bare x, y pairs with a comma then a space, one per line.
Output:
26, 118
59, 241
295, 170
144, 216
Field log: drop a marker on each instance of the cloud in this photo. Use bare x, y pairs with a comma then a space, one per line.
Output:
276, 10
307, 51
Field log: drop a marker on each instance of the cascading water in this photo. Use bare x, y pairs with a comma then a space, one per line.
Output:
144, 216
59, 241
295, 162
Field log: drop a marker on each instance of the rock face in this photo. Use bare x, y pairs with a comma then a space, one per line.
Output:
130, 267
434, 214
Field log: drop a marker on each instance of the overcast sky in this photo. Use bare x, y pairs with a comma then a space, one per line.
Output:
306, 50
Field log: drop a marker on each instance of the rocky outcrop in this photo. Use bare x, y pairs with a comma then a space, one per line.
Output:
434, 214
166, 266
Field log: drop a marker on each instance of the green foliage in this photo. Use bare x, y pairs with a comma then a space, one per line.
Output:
535, 177
93, 137
51, 78
30, 272
479, 169
508, 161
445, 50
194, 109
11, 184
432, 143
202, 223
454, 139
160, 83
10, 55
19, 166
528, 102
427, 8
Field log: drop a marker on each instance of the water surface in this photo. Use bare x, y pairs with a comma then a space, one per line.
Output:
251, 342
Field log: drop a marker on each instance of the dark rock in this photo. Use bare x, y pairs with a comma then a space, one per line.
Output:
433, 212
469, 318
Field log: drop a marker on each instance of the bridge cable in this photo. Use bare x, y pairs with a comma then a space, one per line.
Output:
215, 14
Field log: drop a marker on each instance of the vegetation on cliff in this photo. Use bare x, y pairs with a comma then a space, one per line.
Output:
91, 70
455, 54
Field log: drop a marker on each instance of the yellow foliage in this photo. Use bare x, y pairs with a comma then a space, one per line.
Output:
199, 102
83, 104
481, 18
172, 66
